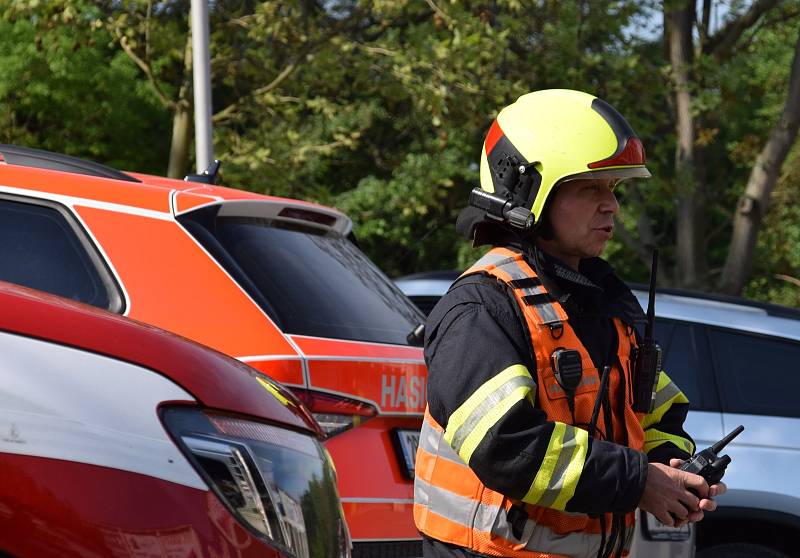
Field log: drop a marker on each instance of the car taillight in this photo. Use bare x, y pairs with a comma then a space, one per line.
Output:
335, 413
278, 483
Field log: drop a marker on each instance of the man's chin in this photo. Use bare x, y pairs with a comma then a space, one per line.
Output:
595, 251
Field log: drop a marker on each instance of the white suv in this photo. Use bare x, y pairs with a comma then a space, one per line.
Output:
738, 362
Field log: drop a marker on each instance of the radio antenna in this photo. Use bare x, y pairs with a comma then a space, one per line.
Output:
651, 298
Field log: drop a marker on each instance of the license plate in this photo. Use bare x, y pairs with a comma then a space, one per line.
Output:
407, 444
657, 531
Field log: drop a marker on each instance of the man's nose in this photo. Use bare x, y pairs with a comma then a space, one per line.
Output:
609, 203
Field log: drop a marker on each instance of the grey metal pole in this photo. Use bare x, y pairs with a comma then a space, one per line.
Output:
201, 73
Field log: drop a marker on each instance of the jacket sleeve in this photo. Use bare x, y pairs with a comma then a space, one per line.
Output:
482, 391
664, 436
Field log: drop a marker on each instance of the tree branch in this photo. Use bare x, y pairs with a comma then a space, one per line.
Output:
147, 31
227, 112
788, 278
439, 12
145, 67
705, 23
722, 43
754, 201
305, 50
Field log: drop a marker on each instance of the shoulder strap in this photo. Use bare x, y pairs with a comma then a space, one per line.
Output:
510, 267
492, 259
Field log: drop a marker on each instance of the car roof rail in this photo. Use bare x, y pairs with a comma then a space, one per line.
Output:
41, 159
771, 309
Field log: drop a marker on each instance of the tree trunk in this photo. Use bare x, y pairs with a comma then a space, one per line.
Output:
181, 140
753, 203
678, 20
181, 119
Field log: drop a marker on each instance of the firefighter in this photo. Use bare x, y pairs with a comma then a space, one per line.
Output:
530, 444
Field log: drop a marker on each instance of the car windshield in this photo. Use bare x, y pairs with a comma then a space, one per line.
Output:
309, 282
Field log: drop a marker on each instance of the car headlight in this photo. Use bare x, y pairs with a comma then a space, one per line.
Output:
279, 484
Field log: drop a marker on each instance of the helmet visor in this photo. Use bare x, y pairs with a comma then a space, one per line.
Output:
610, 174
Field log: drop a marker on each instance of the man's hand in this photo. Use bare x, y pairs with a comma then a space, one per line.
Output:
667, 495
706, 504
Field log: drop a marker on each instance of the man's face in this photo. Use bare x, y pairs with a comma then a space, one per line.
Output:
582, 219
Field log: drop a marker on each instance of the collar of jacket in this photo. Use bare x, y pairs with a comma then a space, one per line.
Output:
593, 289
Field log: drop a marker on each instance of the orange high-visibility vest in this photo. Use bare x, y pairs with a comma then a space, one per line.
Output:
454, 506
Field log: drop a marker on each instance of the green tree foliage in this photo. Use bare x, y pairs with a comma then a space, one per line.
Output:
385, 105
775, 275
64, 88
380, 107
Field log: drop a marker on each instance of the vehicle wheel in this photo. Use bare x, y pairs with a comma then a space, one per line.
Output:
740, 550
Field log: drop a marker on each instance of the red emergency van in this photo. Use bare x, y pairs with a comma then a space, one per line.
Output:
277, 283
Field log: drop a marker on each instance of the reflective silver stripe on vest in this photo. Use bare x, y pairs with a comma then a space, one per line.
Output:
665, 394
492, 400
530, 291
432, 441
472, 514
510, 266
547, 312
546, 308
491, 259
513, 269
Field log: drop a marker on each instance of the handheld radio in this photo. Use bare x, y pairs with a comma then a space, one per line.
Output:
707, 463
647, 361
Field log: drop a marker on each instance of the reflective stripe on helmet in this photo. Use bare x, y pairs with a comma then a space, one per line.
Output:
495, 133
468, 424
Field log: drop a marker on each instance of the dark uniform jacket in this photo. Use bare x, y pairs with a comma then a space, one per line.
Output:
476, 330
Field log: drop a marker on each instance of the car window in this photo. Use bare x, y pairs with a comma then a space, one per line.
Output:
310, 283
757, 374
41, 249
687, 362
425, 303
